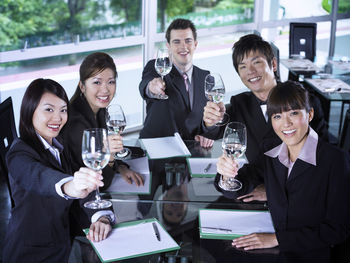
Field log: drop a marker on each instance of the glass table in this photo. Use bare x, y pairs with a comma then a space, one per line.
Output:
174, 200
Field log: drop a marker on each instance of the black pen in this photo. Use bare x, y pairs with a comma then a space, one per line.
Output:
206, 169
156, 231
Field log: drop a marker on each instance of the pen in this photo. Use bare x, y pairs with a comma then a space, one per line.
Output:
206, 169
217, 228
156, 231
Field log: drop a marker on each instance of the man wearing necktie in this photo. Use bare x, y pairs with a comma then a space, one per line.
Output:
256, 65
183, 110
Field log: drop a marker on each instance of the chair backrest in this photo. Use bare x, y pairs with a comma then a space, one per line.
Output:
302, 39
344, 141
7, 134
276, 53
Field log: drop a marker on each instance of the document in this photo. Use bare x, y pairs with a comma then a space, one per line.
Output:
230, 224
206, 167
165, 147
202, 167
299, 64
330, 85
134, 239
119, 185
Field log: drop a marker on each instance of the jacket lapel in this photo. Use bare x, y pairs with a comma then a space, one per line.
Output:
298, 169
177, 81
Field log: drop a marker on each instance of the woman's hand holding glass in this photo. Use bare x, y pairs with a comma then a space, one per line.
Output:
227, 166
84, 182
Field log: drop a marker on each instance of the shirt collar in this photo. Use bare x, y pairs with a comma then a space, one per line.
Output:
55, 144
188, 72
307, 153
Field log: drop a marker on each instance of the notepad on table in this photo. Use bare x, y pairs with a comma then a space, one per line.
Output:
139, 165
134, 239
202, 167
165, 147
230, 224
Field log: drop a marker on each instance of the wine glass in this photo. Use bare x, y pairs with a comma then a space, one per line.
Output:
215, 91
116, 122
234, 144
163, 66
95, 154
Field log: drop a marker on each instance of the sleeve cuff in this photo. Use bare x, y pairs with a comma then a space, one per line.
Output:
107, 213
58, 187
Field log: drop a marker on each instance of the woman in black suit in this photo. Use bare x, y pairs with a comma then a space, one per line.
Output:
42, 186
95, 91
306, 180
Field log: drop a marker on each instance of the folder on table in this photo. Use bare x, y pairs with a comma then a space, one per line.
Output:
134, 239
202, 167
139, 165
165, 147
230, 224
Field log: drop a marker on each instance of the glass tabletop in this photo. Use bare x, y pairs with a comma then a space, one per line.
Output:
174, 199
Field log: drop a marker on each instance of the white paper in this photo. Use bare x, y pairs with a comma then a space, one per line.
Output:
119, 185
165, 147
330, 85
299, 64
238, 222
198, 165
133, 240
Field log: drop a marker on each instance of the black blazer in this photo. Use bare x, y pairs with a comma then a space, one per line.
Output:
81, 117
245, 108
165, 117
311, 209
39, 227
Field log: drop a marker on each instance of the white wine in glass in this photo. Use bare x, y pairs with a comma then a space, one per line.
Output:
234, 144
95, 154
116, 122
214, 90
163, 66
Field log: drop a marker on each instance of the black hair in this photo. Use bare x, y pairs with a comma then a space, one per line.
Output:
91, 66
286, 96
31, 99
248, 43
180, 23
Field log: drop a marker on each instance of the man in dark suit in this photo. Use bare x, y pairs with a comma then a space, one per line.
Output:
183, 110
254, 61
256, 65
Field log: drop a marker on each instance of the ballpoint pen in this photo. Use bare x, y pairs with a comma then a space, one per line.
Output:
216, 228
206, 169
156, 231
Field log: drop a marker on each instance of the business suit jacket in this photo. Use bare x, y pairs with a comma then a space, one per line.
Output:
311, 209
245, 108
81, 117
39, 228
165, 117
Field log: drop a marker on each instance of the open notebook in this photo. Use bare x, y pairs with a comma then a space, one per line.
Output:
230, 224
134, 239
165, 147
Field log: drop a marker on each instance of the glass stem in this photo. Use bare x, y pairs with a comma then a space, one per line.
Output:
97, 195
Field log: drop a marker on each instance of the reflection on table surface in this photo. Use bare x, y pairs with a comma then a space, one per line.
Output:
174, 199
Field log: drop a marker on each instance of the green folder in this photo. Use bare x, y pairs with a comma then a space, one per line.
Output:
133, 239
230, 224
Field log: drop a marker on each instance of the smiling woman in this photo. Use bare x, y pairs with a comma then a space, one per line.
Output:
41, 181
306, 181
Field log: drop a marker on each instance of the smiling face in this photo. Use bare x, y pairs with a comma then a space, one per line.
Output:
182, 46
50, 116
99, 90
292, 127
257, 75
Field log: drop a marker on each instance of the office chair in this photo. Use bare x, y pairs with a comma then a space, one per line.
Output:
344, 141
276, 53
7, 135
302, 40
